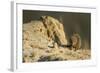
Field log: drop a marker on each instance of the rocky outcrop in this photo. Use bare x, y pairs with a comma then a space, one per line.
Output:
43, 33
43, 40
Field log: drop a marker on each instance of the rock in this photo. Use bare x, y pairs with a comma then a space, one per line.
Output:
55, 30
42, 34
38, 34
35, 35
48, 58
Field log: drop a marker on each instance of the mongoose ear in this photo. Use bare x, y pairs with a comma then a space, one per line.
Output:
43, 17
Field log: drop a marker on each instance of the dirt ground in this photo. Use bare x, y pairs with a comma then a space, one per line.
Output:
55, 54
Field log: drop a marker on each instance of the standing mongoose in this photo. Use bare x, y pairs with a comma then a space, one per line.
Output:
75, 41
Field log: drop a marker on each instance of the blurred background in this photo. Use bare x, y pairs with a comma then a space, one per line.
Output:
73, 23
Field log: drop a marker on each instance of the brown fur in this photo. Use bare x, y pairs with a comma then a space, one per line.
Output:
75, 41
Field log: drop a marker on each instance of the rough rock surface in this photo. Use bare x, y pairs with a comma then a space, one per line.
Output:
43, 40
55, 30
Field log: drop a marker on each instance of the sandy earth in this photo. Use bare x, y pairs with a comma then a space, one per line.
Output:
55, 54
